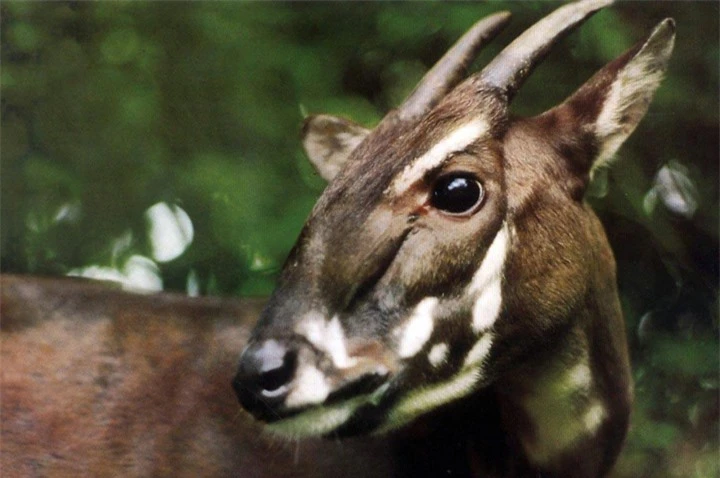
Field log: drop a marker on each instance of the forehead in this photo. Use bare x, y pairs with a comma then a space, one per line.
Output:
398, 153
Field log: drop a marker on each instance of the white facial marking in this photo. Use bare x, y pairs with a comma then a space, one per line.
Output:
431, 397
486, 284
438, 354
487, 307
335, 344
454, 142
417, 330
378, 394
309, 387
326, 336
477, 354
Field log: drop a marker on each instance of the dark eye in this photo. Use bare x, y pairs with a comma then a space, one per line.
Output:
456, 194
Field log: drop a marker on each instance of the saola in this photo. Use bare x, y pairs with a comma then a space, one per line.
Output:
452, 282
451, 295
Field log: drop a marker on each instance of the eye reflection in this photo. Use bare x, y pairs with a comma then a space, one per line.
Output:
456, 194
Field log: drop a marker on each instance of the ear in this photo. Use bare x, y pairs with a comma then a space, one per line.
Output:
328, 142
606, 109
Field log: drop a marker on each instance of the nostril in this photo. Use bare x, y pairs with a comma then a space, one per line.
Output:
266, 369
273, 380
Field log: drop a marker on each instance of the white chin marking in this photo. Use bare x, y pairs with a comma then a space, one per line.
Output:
486, 284
418, 328
318, 421
459, 139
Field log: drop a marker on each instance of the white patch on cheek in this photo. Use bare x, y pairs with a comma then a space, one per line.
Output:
454, 142
310, 387
327, 337
486, 284
417, 330
336, 345
487, 307
479, 351
438, 354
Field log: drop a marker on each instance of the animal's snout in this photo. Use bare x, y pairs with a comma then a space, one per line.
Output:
264, 376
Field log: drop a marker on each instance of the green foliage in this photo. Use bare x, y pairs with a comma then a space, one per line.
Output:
111, 107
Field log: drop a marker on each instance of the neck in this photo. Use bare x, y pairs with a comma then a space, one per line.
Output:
567, 412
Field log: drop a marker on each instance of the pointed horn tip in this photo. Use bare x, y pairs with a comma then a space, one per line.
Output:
489, 26
596, 4
500, 17
493, 23
583, 8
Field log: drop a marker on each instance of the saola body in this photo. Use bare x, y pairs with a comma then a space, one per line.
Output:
451, 278
98, 382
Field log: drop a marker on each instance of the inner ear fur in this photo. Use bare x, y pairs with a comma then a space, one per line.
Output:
329, 141
606, 109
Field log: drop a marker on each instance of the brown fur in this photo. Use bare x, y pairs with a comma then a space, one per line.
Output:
99, 382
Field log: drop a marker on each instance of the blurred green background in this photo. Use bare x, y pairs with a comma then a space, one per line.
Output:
157, 144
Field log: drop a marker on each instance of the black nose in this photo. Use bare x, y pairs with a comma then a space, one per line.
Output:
263, 378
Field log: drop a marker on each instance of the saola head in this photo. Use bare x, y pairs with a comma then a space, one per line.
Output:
451, 242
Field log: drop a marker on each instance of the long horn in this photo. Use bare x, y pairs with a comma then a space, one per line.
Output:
452, 67
513, 65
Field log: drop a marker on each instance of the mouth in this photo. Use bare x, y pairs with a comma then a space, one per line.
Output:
353, 409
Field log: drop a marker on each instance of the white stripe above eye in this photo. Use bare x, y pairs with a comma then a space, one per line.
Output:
459, 139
